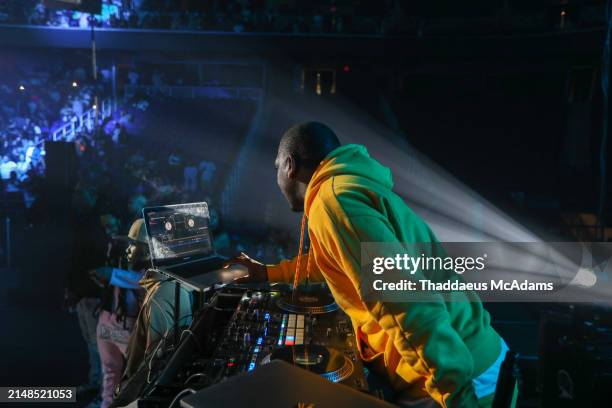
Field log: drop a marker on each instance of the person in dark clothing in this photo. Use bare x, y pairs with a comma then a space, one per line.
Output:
81, 293
119, 308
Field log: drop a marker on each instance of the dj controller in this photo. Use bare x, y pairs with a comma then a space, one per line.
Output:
307, 331
242, 330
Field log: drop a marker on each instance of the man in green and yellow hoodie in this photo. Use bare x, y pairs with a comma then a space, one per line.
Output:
432, 353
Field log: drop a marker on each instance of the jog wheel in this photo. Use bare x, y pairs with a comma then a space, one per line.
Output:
313, 303
329, 363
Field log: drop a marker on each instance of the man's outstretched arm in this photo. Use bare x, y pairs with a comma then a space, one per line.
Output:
284, 271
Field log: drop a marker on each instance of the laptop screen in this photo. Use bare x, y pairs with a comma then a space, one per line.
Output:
178, 232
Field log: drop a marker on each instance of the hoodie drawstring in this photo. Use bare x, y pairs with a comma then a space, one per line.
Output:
298, 264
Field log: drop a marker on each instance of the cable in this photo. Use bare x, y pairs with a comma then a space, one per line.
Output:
180, 394
161, 340
150, 364
186, 331
191, 377
193, 336
169, 328
159, 343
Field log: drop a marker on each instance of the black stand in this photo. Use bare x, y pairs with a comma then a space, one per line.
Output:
177, 310
506, 381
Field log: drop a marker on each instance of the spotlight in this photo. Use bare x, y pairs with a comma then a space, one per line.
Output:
21, 88
585, 277
95, 107
74, 84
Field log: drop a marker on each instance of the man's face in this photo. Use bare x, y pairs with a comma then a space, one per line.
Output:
137, 255
287, 181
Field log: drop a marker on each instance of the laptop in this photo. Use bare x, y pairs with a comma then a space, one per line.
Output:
182, 246
292, 387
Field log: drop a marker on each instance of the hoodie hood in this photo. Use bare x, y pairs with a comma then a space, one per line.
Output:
351, 160
151, 280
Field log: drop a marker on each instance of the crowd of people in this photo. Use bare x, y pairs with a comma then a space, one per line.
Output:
35, 100
39, 99
119, 165
328, 17
235, 15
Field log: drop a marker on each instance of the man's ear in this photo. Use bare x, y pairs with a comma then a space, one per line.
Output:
291, 163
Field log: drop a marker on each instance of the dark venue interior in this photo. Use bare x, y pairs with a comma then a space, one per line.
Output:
492, 116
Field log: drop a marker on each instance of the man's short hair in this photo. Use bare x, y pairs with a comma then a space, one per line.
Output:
309, 142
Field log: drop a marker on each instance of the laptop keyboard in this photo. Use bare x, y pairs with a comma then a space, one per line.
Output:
197, 267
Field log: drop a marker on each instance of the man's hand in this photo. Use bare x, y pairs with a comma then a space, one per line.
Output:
102, 275
257, 271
